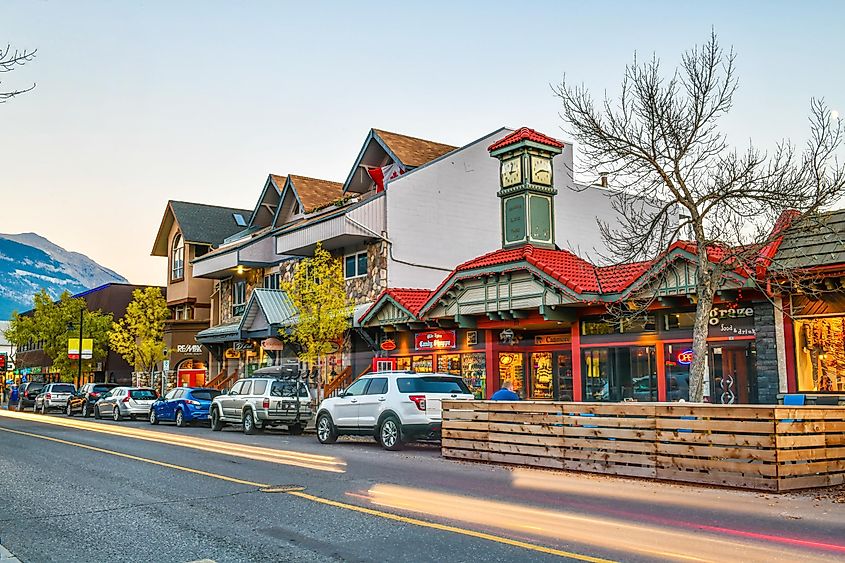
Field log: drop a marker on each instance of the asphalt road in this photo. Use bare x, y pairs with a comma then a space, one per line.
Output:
83, 490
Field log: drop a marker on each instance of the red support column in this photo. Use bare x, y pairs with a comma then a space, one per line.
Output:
661, 372
577, 389
491, 363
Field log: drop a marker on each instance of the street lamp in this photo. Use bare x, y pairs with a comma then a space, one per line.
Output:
69, 328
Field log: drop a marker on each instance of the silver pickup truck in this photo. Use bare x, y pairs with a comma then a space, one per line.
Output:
261, 402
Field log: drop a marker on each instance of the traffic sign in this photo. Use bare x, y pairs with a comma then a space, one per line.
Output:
165, 366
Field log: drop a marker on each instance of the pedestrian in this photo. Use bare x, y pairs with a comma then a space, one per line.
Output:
505, 393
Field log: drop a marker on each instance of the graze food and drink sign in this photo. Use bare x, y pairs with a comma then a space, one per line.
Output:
435, 340
731, 320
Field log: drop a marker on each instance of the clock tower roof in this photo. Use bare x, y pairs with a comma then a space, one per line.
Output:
525, 134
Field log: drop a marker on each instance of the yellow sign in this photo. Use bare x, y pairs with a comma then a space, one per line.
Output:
87, 348
231, 354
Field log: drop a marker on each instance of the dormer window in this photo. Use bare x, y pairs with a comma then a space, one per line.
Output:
177, 258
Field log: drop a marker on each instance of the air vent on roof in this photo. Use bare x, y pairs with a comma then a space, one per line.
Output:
239, 219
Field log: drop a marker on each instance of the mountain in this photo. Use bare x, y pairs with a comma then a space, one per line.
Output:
29, 262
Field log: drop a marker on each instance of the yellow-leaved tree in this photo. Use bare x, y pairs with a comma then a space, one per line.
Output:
318, 292
139, 335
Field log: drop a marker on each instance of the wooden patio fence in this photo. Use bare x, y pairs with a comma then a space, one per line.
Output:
772, 448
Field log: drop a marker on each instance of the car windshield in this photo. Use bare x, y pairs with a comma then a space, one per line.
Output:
431, 384
63, 389
143, 394
205, 395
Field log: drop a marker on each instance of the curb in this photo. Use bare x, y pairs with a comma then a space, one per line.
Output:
7, 557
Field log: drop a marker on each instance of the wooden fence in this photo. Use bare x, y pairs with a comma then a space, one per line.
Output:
771, 448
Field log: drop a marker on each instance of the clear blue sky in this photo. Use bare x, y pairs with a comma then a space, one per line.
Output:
141, 102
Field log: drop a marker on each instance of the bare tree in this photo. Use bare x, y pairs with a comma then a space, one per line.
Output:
9, 61
679, 178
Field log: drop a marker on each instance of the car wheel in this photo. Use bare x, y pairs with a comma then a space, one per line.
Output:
97, 414
216, 423
391, 434
249, 423
295, 429
115, 414
180, 419
43, 408
85, 411
68, 409
326, 432
153, 417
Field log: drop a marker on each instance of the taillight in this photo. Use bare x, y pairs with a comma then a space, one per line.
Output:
265, 404
48, 396
192, 402
126, 399
419, 400
94, 395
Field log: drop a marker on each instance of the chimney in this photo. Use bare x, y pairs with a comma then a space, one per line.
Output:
603, 179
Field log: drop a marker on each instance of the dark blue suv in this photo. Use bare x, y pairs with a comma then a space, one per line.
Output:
183, 405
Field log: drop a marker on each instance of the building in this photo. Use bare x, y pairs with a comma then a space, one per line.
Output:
538, 316
31, 361
189, 231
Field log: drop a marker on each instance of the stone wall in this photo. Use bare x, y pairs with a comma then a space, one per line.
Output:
767, 356
365, 289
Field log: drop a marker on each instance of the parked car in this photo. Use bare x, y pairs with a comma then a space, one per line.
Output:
260, 402
183, 405
53, 396
87, 397
123, 402
27, 393
393, 407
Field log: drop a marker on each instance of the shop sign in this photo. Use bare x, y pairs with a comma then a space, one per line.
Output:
435, 340
552, 339
3, 362
231, 354
731, 321
472, 337
189, 348
685, 358
272, 344
388, 345
242, 346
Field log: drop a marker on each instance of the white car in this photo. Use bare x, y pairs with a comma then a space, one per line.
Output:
54, 396
392, 406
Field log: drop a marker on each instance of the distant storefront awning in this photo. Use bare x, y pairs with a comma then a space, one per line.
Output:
226, 332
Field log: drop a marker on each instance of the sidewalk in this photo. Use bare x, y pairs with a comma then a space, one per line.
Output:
7, 557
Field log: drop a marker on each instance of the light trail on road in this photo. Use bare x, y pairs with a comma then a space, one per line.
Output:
270, 455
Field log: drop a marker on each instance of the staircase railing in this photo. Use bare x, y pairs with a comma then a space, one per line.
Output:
217, 379
223, 380
342, 381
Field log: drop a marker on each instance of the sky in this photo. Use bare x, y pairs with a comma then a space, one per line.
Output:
139, 102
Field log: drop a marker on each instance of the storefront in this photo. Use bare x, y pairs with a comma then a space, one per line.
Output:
818, 328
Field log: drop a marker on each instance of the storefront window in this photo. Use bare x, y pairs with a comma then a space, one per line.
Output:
403, 364
608, 325
564, 376
475, 373
820, 354
679, 321
511, 369
541, 375
678, 361
449, 363
423, 364
617, 374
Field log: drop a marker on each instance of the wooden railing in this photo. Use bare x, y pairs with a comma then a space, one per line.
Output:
222, 379
770, 448
342, 381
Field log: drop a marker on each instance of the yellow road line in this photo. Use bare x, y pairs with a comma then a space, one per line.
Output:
321, 500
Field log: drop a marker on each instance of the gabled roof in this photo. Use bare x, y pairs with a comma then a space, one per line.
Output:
314, 193
525, 134
272, 199
412, 151
411, 300
816, 241
199, 224
274, 303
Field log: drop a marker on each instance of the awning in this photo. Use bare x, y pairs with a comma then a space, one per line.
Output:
227, 332
267, 311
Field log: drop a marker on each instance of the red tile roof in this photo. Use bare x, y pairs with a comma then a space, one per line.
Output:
411, 299
616, 278
525, 134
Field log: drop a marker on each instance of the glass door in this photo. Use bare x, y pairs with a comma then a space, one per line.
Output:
732, 378
512, 368
563, 376
541, 375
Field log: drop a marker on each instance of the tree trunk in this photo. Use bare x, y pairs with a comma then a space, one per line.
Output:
708, 280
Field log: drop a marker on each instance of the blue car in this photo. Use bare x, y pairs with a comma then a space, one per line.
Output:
183, 405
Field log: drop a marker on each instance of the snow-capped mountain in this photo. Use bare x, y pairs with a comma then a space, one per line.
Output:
29, 262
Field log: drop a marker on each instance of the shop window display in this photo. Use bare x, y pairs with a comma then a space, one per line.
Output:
423, 364
449, 363
511, 368
820, 354
564, 376
475, 373
595, 374
403, 364
541, 375
678, 362
618, 374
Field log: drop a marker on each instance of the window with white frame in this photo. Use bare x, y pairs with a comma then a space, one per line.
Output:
355, 265
238, 297
182, 312
177, 258
272, 281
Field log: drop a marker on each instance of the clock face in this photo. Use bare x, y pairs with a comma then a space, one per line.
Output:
541, 170
511, 172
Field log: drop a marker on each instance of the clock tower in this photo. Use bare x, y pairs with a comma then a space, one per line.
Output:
526, 187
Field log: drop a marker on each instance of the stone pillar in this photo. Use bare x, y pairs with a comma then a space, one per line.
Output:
767, 354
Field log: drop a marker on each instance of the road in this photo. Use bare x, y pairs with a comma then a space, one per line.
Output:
80, 490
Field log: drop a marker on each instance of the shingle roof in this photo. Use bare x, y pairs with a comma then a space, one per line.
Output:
199, 223
413, 151
314, 193
525, 134
276, 305
811, 242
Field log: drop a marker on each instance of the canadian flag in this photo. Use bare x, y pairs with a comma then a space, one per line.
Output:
384, 174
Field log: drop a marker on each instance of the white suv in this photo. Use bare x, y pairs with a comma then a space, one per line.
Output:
392, 406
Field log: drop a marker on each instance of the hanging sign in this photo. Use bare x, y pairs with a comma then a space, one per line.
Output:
231, 354
87, 348
435, 340
388, 345
272, 344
